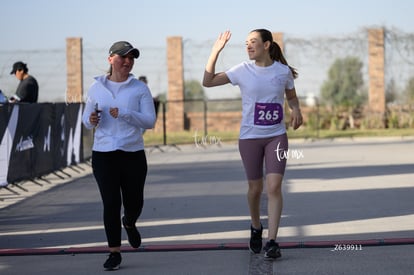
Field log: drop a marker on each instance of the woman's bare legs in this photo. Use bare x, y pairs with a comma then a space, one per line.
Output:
253, 197
274, 203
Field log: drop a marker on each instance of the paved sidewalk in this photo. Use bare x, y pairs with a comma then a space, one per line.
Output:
357, 193
14, 193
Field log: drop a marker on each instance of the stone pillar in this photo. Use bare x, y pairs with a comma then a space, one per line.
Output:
175, 64
376, 67
74, 72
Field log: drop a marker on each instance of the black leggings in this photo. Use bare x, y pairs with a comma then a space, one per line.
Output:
121, 178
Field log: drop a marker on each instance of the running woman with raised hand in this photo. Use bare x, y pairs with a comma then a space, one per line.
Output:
264, 81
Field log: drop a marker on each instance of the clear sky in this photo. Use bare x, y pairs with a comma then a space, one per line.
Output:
45, 24
33, 29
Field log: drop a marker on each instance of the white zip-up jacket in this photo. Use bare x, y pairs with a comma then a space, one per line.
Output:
136, 112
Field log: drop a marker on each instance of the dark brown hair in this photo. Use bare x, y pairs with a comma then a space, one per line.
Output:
275, 51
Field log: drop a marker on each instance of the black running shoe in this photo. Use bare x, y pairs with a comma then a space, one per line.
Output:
134, 237
272, 250
255, 244
113, 262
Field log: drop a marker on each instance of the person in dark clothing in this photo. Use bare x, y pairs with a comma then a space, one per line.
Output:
28, 89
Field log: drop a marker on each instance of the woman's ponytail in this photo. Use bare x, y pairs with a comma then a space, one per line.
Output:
275, 51
276, 54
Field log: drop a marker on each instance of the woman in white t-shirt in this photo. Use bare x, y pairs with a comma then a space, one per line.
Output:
263, 85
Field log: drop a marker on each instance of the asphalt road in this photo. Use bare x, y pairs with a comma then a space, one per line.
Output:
348, 209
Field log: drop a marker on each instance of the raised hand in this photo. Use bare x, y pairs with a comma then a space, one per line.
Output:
221, 41
210, 78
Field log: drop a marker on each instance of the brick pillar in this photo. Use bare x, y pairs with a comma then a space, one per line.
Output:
175, 112
376, 68
74, 72
278, 38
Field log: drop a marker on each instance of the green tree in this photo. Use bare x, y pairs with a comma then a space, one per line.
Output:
194, 96
343, 88
193, 90
409, 90
391, 92
162, 97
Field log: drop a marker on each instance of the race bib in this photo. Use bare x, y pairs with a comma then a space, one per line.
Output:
268, 113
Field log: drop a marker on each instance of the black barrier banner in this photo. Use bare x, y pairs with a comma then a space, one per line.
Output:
22, 155
8, 124
68, 125
43, 141
37, 139
61, 134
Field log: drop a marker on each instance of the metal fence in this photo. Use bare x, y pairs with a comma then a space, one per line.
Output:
312, 56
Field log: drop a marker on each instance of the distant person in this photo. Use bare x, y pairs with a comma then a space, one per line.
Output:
28, 89
144, 79
264, 82
119, 106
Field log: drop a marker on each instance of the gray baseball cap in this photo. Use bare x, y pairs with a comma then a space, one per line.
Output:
123, 48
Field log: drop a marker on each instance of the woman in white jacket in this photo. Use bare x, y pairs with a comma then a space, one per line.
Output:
119, 107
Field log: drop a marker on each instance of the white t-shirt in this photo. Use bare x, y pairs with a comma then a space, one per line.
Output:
263, 92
